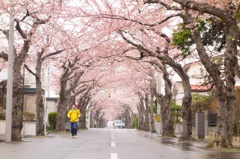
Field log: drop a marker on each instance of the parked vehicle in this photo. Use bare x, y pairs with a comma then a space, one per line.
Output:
118, 124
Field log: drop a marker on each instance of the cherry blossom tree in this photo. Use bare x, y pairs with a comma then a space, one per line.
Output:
68, 82
45, 47
123, 41
164, 100
26, 25
130, 26
224, 14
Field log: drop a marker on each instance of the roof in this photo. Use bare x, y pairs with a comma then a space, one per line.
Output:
199, 88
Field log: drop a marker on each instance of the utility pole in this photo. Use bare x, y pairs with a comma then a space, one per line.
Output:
159, 123
8, 127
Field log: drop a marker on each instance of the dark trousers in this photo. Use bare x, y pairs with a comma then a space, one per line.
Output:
74, 128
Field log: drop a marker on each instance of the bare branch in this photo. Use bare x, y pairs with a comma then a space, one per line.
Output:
27, 14
52, 54
4, 56
30, 71
5, 32
117, 17
19, 29
167, 6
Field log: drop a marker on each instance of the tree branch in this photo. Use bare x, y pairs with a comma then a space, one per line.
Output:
52, 54
24, 17
4, 56
117, 17
5, 32
19, 29
30, 71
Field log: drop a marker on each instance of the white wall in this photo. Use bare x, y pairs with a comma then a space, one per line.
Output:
51, 106
3, 74
195, 71
29, 128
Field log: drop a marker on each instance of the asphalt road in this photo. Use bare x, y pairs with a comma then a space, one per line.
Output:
107, 144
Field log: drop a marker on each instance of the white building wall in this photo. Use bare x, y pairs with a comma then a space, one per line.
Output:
29, 128
195, 71
51, 106
3, 74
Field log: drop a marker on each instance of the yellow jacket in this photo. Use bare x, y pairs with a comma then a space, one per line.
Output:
73, 114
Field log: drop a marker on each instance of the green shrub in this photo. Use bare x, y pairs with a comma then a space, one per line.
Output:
2, 114
175, 111
29, 116
136, 122
52, 118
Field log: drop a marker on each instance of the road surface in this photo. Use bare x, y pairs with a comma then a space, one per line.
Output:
107, 144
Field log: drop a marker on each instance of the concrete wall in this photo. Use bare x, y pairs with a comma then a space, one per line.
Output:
51, 106
29, 128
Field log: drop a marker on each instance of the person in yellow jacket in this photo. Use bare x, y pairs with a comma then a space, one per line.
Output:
74, 114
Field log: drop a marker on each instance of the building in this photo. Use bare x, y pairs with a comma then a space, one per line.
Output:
195, 71
29, 93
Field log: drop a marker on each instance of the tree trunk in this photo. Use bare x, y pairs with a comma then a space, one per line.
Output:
224, 93
97, 122
82, 120
102, 121
186, 110
164, 101
97, 118
65, 94
91, 119
146, 114
166, 59
141, 111
128, 120
62, 107
61, 115
152, 124
40, 126
215, 74
231, 64
186, 101
167, 122
17, 111
3, 94
82, 106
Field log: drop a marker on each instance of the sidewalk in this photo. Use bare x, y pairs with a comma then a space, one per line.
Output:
184, 145
2, 137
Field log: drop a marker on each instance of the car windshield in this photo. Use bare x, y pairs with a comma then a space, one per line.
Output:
118, 121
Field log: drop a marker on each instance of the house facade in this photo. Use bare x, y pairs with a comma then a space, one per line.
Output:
195, 71
29, 93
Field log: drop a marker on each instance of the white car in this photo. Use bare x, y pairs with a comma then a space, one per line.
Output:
118, 124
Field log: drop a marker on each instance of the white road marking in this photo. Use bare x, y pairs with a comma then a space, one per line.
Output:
113, 144
112, 137
114, 156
